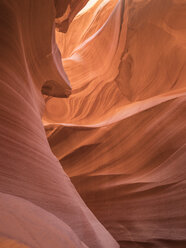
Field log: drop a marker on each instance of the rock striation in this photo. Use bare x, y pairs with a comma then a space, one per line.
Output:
121, 134
39, 206
92, 123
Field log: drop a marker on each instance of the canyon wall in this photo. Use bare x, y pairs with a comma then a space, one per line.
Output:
39, 206
121, 134
92, 123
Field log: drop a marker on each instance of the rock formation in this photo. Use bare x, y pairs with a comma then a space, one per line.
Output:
108, 85
39, 206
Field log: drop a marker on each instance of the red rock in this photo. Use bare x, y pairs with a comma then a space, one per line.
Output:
113, 111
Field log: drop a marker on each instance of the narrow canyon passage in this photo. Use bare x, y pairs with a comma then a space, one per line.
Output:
92, 123
121, 134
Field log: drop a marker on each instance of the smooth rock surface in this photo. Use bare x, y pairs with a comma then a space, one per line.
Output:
121, 135
39, 206
107, 87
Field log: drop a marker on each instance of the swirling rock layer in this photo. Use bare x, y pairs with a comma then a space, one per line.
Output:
113, 78
39, 206
121, 135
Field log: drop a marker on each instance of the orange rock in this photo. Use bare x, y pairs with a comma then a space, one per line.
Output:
39, 206
107, 82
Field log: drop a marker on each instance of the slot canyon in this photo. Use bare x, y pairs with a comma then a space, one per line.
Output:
92, 123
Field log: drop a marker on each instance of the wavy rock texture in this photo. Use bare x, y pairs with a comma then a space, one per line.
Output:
39, 206
121, 134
